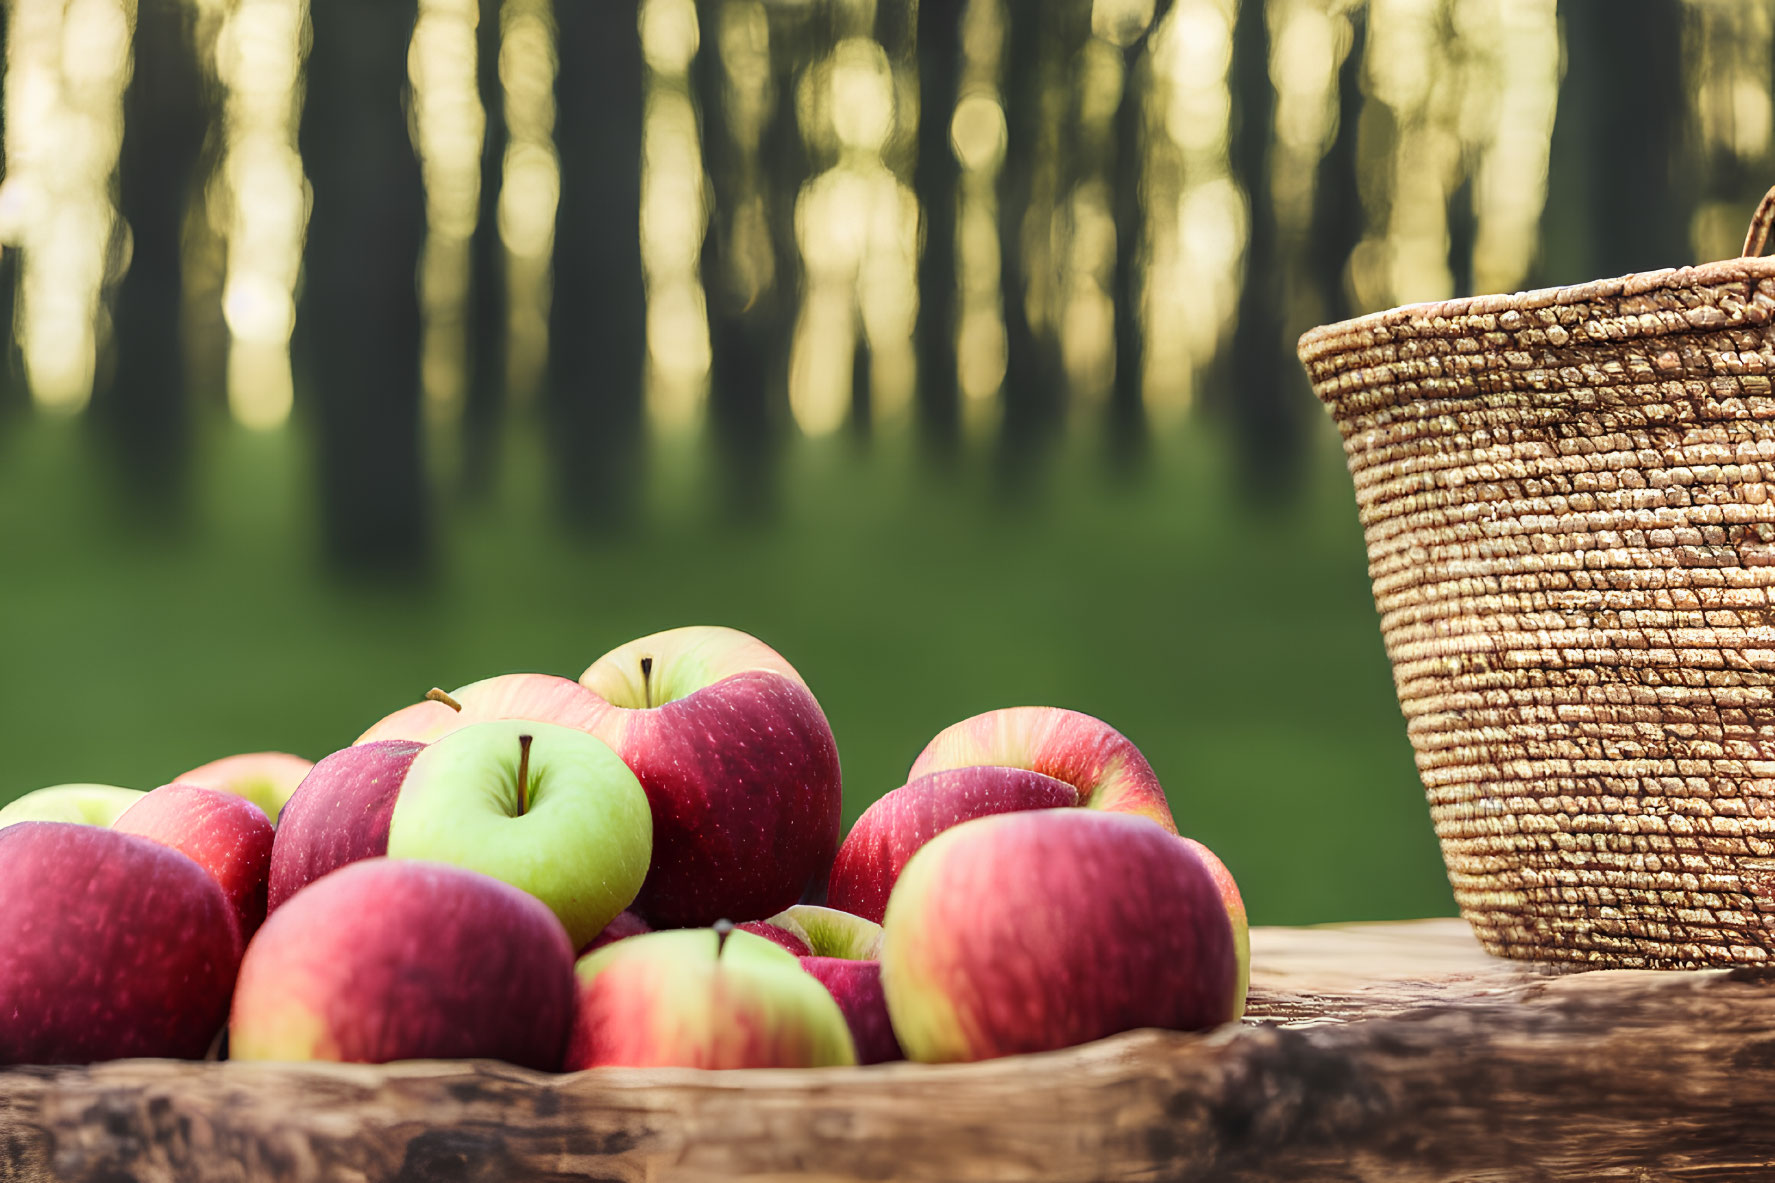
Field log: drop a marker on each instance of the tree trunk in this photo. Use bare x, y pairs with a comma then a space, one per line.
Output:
360, 303
1264, 407
140, 398
1620, 192
597, 322
488, 311
13, 393
1127, 399
1338, 217
937, 183
749, 329
1463, 232
1032, 387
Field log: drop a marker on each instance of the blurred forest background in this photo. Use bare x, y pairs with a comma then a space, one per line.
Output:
360, 346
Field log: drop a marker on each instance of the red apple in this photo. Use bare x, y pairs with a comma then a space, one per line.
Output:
338, 815
110, 946
739, 766
398, 959
893, 828
265, 778
856, 987
698, 998
1027, 932
1235, 912
1108, 771
226, 835
541, 698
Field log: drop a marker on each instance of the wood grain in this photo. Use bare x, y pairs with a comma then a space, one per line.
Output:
1373, 1052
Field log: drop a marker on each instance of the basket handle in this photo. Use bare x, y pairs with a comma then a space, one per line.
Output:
1757, 237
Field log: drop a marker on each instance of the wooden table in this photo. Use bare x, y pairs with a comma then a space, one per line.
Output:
1381, 1051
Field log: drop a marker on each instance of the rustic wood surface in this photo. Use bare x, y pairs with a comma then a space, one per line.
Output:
1373, 1052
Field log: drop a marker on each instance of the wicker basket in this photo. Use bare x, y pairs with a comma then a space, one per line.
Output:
1569, 502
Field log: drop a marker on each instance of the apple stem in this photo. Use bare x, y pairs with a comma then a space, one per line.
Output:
723, 930
436, 695
524, 742
647, 681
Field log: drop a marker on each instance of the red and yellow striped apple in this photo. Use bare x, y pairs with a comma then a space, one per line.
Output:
110, 946
1235, 912
1108, 771
1027, 932
703, 998
397, 959
540, 698
739, 765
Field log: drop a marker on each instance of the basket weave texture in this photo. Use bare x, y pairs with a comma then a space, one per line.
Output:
1568, 497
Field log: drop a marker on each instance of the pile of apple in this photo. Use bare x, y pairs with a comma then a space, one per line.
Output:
619, 870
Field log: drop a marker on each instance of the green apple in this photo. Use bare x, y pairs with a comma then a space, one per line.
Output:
545, 808
86, 805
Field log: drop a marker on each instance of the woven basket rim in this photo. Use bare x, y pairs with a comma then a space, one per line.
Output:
1334, 337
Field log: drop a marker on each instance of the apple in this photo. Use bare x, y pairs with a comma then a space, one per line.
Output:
226, 835
542, 698
545, 808
390, 959
780, 937
1027, 932
627, 924
1235, 912
337, 815
739, 766
265, 778
811, 930
703, 998
905, 819
110, 946
86, 805
856, 987
1108, 771
828, 932
843, 952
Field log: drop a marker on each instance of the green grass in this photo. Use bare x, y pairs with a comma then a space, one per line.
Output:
1239, 649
